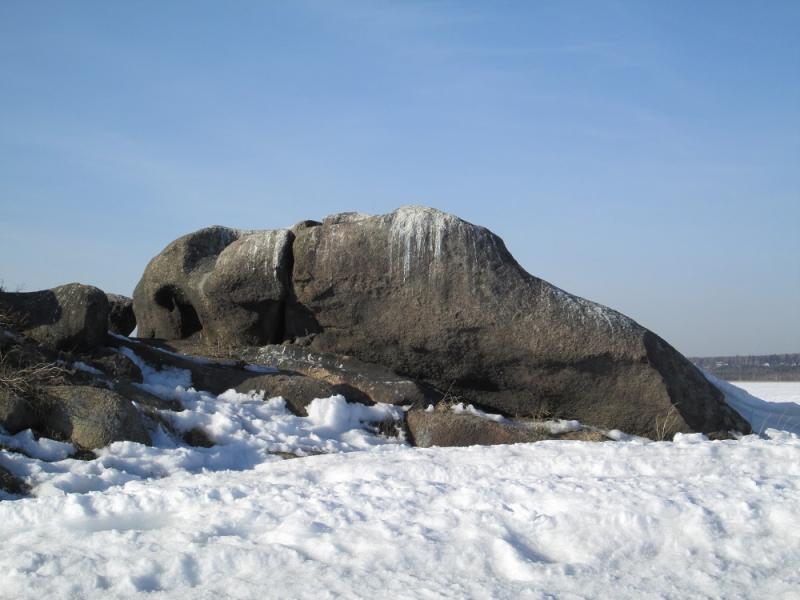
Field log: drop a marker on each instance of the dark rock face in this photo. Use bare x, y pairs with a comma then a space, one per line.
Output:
433, 298
16, 413
116, 366
90, 417
68, 317
121, 319
11, 484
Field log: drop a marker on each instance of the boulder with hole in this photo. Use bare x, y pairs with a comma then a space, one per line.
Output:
434, 299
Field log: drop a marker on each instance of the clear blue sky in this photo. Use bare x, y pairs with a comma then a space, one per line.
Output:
645, 155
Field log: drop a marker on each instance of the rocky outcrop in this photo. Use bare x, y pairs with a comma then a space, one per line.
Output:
121, 318
67, 317
296, 374
435, 299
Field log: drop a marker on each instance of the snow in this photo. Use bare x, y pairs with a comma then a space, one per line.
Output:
781, 412
623, 520
563, 426
471, 410
42, 449
566, 519
776, 391
82, 366
247, 430
554, 427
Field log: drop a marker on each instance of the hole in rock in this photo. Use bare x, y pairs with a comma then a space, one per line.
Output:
172, 300
190, 322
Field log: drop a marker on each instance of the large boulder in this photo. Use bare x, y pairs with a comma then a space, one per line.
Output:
225, 285
121, 318
433, 298
67, 317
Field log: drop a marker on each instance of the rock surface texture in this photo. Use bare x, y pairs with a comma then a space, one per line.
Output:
67, 317
444, 428
433, 298
91, 417
121, 319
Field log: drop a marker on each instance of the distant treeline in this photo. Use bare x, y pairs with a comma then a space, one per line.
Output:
767, 367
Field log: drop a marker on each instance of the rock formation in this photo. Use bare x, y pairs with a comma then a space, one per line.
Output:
72, 316
433, 298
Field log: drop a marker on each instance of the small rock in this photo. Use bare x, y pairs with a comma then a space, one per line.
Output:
298, 390
90, 417
438, 428
16, 413
11, 484
198, 438
117, 366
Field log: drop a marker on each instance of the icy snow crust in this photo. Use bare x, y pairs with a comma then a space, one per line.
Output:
566, 519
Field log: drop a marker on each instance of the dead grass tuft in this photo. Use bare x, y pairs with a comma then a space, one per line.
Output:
24, 380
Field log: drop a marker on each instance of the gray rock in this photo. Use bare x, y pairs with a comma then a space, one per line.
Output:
446, 428
121, 318
11, 484
132, 393
298, 390
116, 366
90, 417
432, 298
356, 380
226, 285
68, 317
16, 413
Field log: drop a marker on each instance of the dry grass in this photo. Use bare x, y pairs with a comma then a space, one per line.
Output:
23, 380
449, 399
11, 320
665, 424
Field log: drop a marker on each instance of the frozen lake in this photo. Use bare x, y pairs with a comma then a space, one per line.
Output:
772, 391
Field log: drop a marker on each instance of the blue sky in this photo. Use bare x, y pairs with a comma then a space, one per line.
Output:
645, 155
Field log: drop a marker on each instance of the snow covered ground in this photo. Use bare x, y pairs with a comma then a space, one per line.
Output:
376, 518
